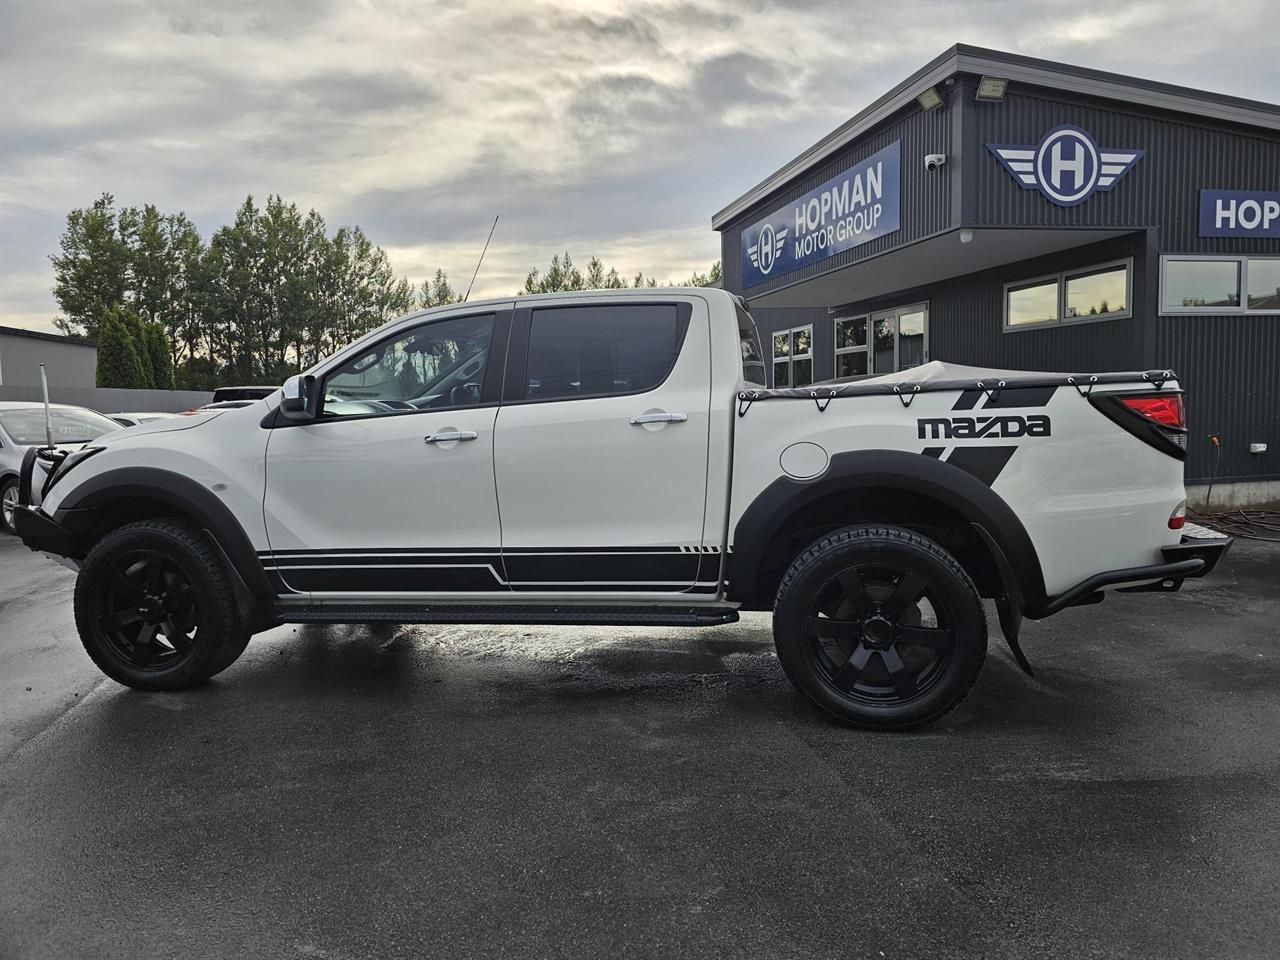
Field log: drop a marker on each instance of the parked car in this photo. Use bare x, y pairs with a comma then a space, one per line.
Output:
242, 393
133, 419
22, 427
643, 474
219, 405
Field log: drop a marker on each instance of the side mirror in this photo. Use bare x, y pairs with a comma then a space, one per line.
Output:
301, 400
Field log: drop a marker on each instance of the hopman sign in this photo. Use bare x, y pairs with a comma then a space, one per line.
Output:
849, 209
1240, 213
1066, 166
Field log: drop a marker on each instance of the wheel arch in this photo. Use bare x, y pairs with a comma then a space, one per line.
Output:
113, 497
887, 486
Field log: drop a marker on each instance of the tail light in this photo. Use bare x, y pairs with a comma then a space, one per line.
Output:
1178, 519
1159, 419
1166, 411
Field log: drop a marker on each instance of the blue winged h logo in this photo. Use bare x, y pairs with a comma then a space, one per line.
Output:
767, 248
1066, 166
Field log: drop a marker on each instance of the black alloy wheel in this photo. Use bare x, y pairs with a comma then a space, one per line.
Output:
147, 611
880, 627
155, 608
879, 633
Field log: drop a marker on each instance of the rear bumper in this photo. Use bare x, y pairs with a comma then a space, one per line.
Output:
1194, 556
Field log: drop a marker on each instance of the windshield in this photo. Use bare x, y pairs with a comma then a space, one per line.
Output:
26, 427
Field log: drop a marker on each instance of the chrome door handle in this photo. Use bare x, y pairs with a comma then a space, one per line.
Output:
659, 418
451, 435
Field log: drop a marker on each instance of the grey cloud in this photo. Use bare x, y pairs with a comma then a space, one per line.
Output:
736, 78
278, 18
654, 116
634, 30
346, 93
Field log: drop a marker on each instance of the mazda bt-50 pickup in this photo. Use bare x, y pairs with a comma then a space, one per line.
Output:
616, 457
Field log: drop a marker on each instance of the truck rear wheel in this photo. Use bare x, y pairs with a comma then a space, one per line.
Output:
880, 627
155, 609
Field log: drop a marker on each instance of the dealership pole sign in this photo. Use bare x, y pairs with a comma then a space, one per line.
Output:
1066, 166
849, 209
1240, 213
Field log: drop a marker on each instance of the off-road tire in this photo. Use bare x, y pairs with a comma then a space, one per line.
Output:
219, 636
821, 571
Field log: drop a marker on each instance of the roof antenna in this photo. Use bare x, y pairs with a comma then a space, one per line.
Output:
481, 260
48, 419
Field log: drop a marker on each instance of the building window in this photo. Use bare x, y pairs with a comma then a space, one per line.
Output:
883, 342
1214, 285
793, 357
1103, 292
1034, 303
853, 353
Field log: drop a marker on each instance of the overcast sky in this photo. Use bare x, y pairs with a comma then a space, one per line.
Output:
613, 129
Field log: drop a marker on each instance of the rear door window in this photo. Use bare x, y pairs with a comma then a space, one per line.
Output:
599, 351
749, 343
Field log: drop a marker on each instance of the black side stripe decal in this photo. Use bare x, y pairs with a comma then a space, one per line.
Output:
997, 398
985, 463
1018, 397
572, 569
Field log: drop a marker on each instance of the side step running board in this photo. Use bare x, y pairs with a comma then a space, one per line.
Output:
558, 615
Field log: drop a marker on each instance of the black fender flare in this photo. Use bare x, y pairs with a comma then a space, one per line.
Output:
187, 497
914, 475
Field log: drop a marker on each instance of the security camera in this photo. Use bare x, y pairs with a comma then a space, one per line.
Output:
933, 161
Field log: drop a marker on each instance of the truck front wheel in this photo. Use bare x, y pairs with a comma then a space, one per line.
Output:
154, 607
880, 627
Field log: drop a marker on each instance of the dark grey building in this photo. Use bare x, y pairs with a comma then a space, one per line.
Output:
1002, 211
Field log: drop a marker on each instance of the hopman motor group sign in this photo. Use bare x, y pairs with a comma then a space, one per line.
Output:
849, 209
1240, 213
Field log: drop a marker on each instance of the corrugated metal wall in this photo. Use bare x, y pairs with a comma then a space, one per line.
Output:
1162, 190
1229, 365
1230, 368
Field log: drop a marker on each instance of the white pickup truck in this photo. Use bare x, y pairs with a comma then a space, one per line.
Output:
615, 458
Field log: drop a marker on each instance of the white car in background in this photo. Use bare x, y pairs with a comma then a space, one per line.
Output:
22, 426
133, 419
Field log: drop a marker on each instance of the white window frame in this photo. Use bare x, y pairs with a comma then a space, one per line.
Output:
1062, 278
792, 357
1242, 264
864, 349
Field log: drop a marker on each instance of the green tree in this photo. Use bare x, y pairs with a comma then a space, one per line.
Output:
562, 275
712, 278
119, 363
159, 357
272, 291
438, 292
91, 271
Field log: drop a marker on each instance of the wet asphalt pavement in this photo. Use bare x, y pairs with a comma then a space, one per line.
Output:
590, 792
